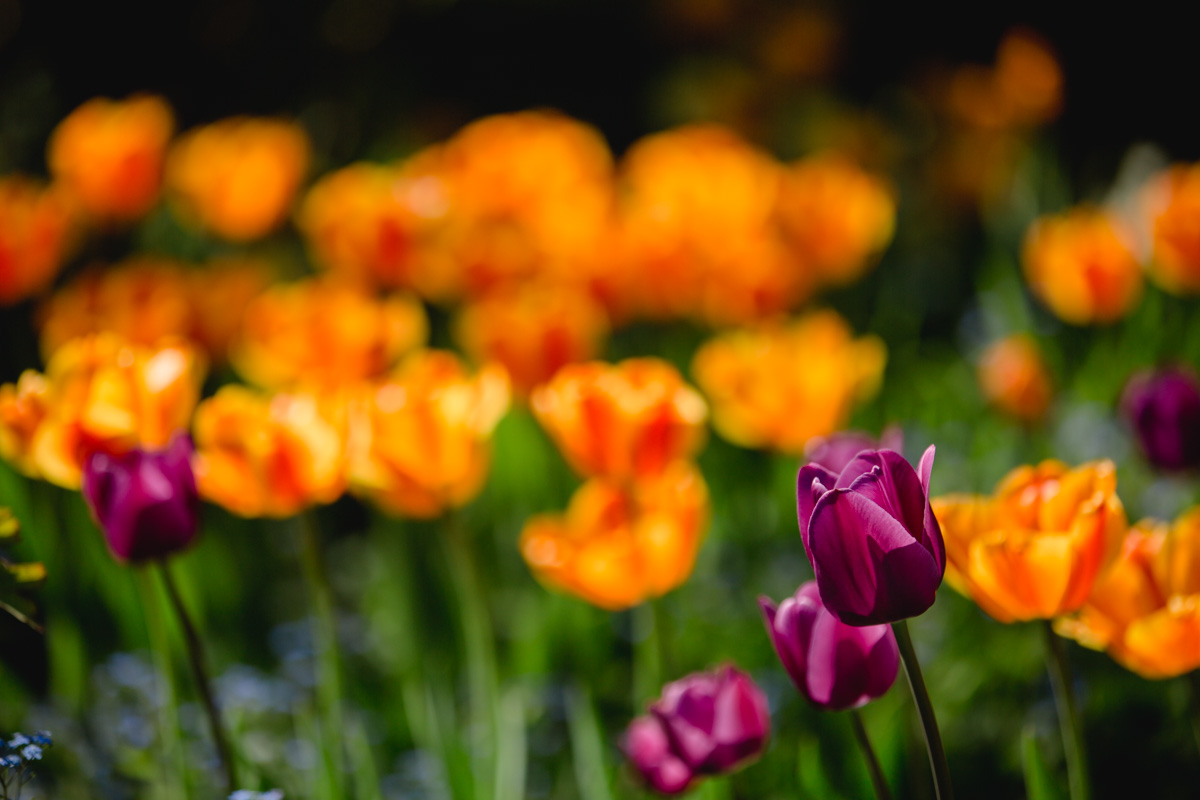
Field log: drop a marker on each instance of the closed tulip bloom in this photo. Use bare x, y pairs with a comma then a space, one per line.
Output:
109, 154
1163, 408
1034, 549
619, 545
1013, 377
781, 384
1080, 265
144, 501
37, 224
1170, 207
1145, 610
871, 536
834, 665
834, 452
625, 421
716, 721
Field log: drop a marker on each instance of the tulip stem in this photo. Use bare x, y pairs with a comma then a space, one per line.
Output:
195, 649
878, 781
933, 738
1068, 713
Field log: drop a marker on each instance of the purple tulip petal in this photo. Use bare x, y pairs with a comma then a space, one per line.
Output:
908, 578
883, 661
841, 525
740, 722
806, 501
648, 749
933, 531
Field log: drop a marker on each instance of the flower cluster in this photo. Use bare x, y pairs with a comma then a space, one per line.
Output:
17, 756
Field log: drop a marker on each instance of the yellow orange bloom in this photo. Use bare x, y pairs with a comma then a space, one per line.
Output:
36, 226
109, 155
533, 331
421, 440
624, 421
698, 230
837, 217
261, 456
99, 393
325, 333
1171, 202
1036, 547
1079, 264
783, 383
1145, 611
374, 223
1013, 377
531, 196
618, 545
237, 177
1029, 77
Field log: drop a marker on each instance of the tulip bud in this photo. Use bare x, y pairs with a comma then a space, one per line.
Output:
704, 724
871, 536
834, 452
144, 501
834, 665
1164, 409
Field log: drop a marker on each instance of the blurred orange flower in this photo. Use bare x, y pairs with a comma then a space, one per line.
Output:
533, 330
1029, 77
99, 393
836, 216
619, 545
625, 421
374, 223
109, 155
698, 231
325, 333
421, 438
531, 196
1145, 611
1014, 378
1171, 202
36, 227
1035, 548
783, 383
238, 177
147, 298
261, 456
1079, 264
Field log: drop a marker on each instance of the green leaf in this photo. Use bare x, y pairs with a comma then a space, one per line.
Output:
1039, 779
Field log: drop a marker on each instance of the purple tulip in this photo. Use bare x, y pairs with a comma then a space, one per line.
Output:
1163, 407
144, 501
704, 724
834, 452
834, 665
871, 536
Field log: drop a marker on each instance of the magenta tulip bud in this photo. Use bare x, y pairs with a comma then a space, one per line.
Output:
834, 665
145, 501
1163, 407
871, 536
834, 452
707, 723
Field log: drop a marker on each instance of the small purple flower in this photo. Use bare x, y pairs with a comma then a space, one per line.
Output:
144, 501
834, 665
1163, 408
707, 723
835, 451
871, 536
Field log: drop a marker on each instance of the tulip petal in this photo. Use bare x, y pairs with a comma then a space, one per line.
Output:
740, 723
933, 531
806, 501
841, 525
908, 578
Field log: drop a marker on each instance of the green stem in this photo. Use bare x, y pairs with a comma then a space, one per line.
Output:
878, 781
1068, 713
933, 738
168, 716
195, 649
647, 656
329, 678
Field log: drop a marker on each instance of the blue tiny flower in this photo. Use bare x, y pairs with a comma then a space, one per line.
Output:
41, 738
18, 740
31, 752
10, 762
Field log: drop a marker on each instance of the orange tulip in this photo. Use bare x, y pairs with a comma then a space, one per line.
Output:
1081, 267
1029, 77
260, 456
782, 384
238, 177
1014, 378
533, 331
625, 421
619, 545
1146, 610
421, 440
109, 155
36, 226
1171, 203
837, 217
99, 393
323, 333
1035, 548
